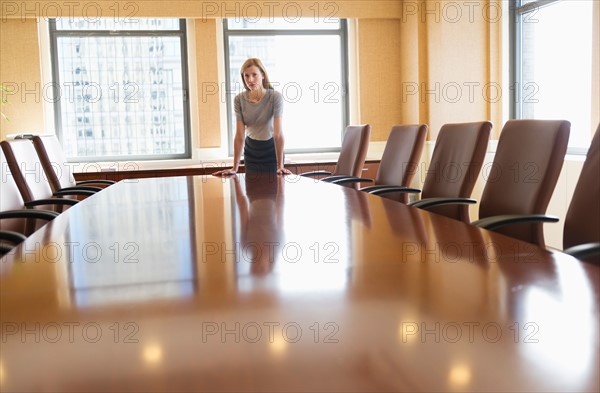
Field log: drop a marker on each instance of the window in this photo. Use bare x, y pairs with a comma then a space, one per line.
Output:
120, 88
307, 63
553, 64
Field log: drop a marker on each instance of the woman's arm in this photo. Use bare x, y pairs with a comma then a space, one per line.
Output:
238, 144
279, 146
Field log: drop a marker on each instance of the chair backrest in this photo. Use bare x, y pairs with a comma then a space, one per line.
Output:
582, 223
10, 197
400, 159
354, 151
26, 169
455, 165
524, 172
53, 161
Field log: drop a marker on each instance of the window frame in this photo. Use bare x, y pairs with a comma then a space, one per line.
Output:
181, 33
342, 32
516, 34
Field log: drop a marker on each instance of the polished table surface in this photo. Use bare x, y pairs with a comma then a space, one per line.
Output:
287, 284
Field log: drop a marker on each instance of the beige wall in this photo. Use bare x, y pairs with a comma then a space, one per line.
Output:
439, 64
379, 69
458, 69
435, 64
208, 86
20, 71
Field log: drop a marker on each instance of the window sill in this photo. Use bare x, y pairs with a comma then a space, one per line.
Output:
208, 158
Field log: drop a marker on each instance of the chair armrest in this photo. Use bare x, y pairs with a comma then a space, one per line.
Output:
52, 201
64, 192
431, 202
29, 213
12, 236
5, 249
495, 222
584, 251
389, 189
331, 179
106, 182
80, 188
351, 179
315, 173
377, 187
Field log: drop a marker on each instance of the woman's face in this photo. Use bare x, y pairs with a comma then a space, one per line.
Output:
253, 78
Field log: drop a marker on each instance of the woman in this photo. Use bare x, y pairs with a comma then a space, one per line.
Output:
258, 112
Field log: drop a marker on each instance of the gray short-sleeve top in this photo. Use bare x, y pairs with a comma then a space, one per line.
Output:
258, 117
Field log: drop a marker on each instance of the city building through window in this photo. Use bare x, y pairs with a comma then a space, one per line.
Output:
120, 88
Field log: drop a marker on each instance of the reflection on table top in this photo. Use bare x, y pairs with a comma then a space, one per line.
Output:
287, 284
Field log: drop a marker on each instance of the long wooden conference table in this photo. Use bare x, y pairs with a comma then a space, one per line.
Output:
287, 284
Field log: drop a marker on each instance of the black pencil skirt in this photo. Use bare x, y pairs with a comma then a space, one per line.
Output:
260, 156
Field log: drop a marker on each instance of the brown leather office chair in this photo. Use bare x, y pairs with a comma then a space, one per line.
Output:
399, 162
455, 165
16, 222
30, 178
54, 163
581, 237
352, 155
522, 177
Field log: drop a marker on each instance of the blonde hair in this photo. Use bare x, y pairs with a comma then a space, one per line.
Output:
255, 62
